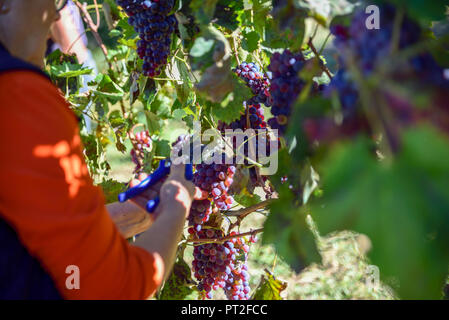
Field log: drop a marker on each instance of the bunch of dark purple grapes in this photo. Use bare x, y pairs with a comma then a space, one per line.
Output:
155, 26
368, 50
286, 86
256, 81
218, 265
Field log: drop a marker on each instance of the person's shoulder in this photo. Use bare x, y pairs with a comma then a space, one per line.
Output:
31, 89
27, 96
17, 79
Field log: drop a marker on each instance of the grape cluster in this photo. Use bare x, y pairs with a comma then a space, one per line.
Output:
219, 265
285, 86
200, 212
256, 81
141, 142
254, 120
155, 26
237, 284
216, 179
368, 50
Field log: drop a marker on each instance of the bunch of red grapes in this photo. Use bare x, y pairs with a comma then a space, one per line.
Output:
216, 179
141, 143
215, 265
155, 26
256, 81
222, 265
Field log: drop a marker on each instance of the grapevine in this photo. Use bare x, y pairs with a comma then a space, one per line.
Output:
362, 115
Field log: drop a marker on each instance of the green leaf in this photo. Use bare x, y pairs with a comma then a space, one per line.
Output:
227, 13
179, 114
247, 199
128, 30
108, 89
201, 47
111, 189
203, 10
403, 207
114, 33
310, 178
250, 41
217, 80
269, 288
261, 10
172, 129
324, 10
179, 283
153, 122
69, 70
423, 11
296, 243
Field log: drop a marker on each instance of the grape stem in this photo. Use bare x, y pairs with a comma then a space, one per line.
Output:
94, 27
243, 213
227, 238
323, 66
234, 49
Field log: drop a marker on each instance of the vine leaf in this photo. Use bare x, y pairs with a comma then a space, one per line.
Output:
261, 9
247, 199
203, 10
250, 41
108, 89
324, 10
311, 179
69, 70
216, 81
286, 228
227, 13
401, 206
424, 11
269, 288
111, 189
178, 285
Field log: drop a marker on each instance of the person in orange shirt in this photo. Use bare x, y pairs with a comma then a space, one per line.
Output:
52, 217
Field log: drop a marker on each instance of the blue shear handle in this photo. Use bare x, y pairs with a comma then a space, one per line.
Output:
189, 171
152, 179
162, 171
152, 204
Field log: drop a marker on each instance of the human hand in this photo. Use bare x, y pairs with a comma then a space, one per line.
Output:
176, 192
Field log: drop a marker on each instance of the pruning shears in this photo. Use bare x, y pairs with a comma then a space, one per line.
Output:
162, 171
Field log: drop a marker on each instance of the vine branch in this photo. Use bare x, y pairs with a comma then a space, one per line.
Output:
94, 28
323, 66
243, 213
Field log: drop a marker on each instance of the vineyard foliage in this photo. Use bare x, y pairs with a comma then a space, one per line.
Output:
362, 116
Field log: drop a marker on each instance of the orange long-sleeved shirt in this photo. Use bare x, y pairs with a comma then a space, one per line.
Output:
47, 196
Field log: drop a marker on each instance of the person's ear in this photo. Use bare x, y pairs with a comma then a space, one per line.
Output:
4, 6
